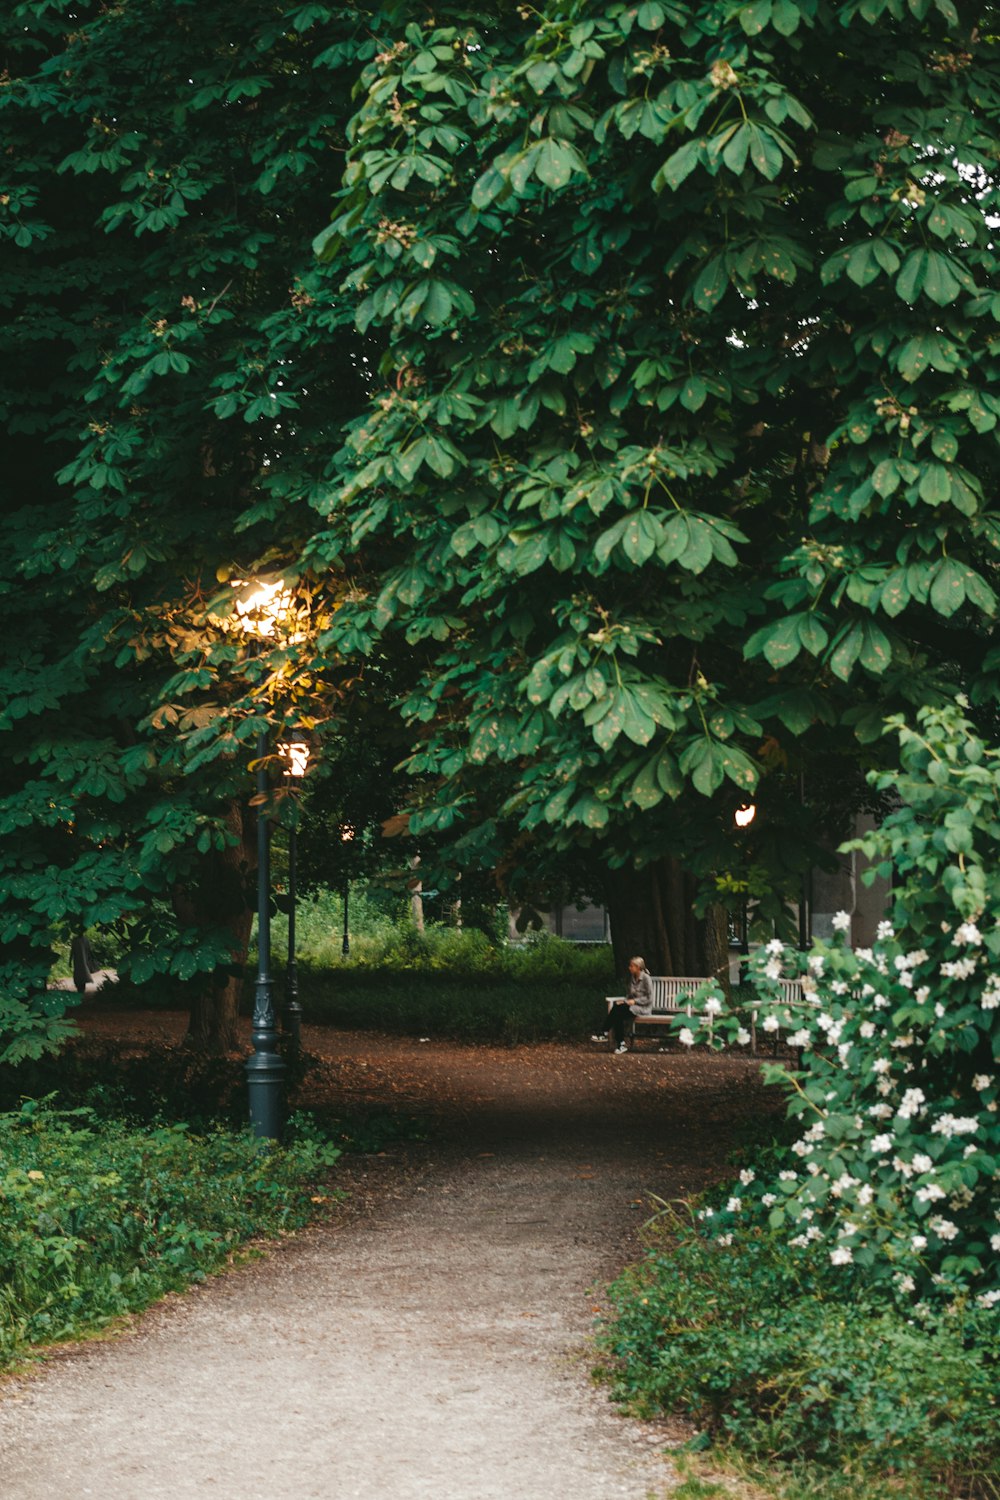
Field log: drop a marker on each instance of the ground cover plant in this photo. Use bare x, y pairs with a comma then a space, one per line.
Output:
127, 1172
102, 1217
844, 1298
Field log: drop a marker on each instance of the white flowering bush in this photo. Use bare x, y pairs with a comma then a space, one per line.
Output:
895, 1170
840, 1302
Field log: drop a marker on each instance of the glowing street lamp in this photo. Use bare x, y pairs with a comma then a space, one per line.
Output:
346, 837
743, 817
295, 753
259, 608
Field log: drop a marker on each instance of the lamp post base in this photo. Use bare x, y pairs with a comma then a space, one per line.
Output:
265, 1070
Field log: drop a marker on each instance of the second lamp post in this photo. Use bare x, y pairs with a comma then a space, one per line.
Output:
346, 837
295, 753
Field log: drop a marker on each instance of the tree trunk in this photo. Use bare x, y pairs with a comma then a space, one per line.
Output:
215, 1011
715, 937
652, 916
221, 895
635, 903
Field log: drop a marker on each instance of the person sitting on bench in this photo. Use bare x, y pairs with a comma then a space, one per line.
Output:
637, 1001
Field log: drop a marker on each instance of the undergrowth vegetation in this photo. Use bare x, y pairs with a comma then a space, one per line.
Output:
770, 1351
125, 1173
378, 941
101, 1216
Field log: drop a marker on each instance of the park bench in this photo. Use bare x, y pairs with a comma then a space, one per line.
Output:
674, 995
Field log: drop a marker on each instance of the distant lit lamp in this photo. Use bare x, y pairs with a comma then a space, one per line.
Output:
259, 608
745, 814
294, 751
346, 837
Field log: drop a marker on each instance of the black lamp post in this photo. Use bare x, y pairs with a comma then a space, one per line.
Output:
346, 836
259, 607
743, 817
295, 751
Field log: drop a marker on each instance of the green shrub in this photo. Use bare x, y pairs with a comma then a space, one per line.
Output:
394, 944
490, 1008
773, 1351
101, 1218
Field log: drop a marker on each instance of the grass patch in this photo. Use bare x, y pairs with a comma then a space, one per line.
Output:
724, 1474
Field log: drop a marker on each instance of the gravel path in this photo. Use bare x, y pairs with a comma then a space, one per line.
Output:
428, 1341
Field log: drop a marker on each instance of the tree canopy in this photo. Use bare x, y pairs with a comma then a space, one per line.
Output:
164, 395
683, 444
637, 423
685, 426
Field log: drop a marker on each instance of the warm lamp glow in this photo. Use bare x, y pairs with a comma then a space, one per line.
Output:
745, 815
260, 606
346, 832
295, 754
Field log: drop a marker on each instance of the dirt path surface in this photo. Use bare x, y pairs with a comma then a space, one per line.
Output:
428, 1341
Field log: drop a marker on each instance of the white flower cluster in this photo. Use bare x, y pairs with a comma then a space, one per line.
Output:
913, 1099
904, 961
843, 1184
949, 1125
960, 968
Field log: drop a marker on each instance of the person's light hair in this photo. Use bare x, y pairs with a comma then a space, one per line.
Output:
641, 962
